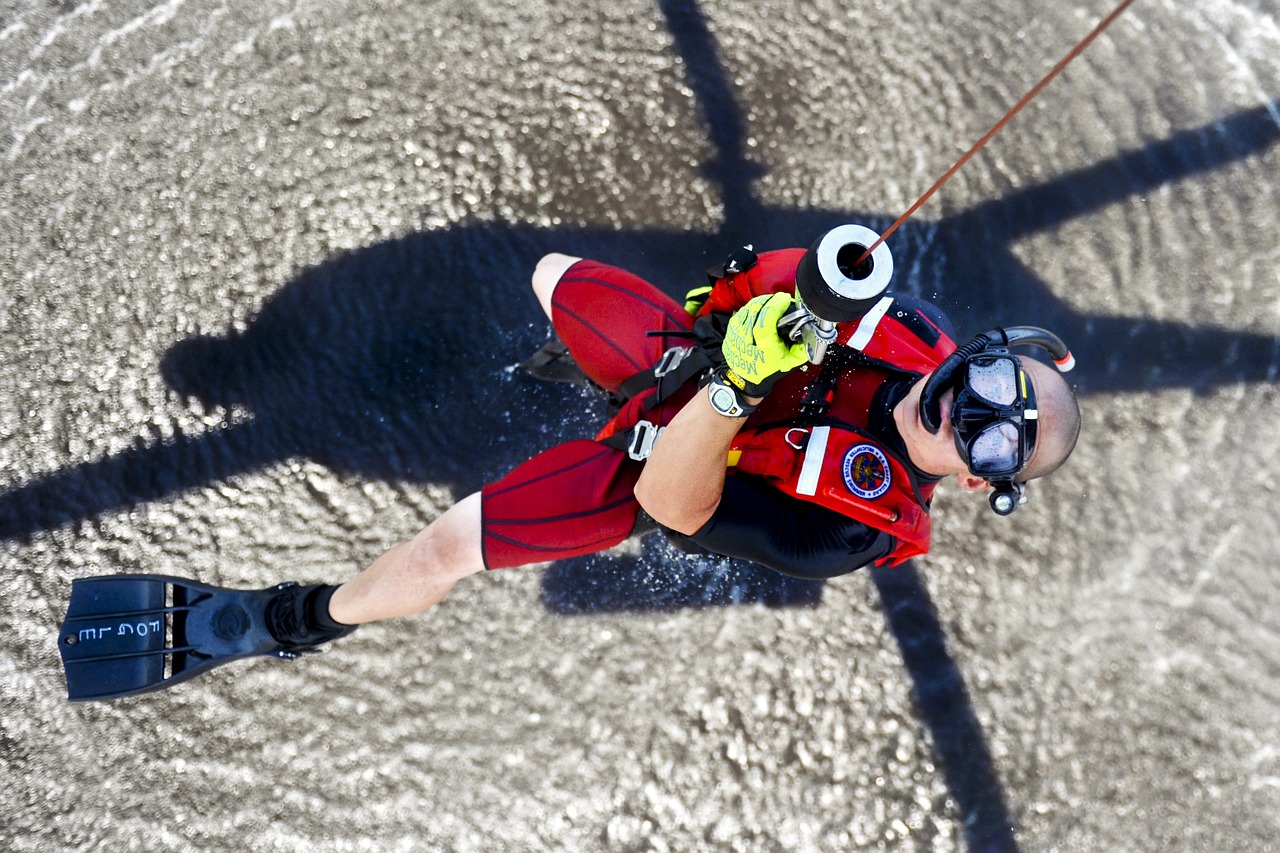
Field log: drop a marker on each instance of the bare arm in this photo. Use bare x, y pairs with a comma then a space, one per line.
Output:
682, 480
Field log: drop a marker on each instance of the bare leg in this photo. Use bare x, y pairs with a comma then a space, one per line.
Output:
415, 575
548, 274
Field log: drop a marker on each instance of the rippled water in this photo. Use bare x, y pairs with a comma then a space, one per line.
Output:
263, 277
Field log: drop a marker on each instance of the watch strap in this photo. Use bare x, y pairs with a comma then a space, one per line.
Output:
728, 400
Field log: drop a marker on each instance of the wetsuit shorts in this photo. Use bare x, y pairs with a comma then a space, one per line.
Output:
578, 497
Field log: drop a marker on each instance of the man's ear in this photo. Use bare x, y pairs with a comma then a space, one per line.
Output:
969, 483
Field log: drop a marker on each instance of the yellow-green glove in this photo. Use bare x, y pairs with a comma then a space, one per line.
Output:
754, 353
695, 299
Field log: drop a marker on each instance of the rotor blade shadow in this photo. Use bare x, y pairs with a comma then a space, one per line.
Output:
148, 471
731, 170
1137, 355
982, 287
943, 703
1129, 175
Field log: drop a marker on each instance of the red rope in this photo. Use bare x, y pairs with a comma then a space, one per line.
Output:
1026, 99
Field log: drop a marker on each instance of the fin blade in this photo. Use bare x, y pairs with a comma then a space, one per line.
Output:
113, 641
129, 634
553, 363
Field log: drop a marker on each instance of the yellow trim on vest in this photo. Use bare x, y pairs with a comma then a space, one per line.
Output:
734, 456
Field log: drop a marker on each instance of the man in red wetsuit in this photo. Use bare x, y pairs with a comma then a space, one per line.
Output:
861, 497
800, 418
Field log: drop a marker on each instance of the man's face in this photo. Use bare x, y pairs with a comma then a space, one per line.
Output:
934, 453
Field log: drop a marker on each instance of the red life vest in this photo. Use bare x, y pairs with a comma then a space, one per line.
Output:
833, 460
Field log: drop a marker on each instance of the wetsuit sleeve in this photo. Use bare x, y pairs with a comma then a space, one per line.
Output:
758, 523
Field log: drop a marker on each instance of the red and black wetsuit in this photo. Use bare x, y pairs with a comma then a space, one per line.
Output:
859, 500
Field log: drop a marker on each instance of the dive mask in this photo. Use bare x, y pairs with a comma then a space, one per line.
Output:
994, 415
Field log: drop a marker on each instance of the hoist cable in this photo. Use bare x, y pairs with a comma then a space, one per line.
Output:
1026, 99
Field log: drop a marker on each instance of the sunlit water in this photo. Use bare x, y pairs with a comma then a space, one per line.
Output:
263, 277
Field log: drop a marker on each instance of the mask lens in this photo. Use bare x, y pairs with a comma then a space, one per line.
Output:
995, 451
995, 380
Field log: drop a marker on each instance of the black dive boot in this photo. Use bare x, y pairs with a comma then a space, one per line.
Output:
298, 618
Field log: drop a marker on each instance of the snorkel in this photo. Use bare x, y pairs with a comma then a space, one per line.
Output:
1007, 493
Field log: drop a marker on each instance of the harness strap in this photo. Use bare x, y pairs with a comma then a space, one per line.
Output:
637, 441
676, 366
671, 367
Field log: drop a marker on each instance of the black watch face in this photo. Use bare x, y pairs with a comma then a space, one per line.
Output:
722, 399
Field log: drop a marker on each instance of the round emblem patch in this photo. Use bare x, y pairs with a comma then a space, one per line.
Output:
866, 471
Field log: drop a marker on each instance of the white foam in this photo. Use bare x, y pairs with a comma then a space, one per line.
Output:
23, 76
158, 16
59, 26
159, 63
1262, 33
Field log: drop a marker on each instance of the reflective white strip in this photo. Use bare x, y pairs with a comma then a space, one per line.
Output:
1031, 414
867, 325
814, 453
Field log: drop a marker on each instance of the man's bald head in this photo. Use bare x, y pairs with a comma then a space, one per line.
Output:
1059, 420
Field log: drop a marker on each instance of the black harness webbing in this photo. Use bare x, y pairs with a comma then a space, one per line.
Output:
678, 365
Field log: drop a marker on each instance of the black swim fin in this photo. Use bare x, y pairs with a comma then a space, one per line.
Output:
128, 634
553, 363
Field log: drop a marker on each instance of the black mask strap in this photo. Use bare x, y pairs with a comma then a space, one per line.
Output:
943, 377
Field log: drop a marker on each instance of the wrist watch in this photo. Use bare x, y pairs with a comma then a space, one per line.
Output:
727, 400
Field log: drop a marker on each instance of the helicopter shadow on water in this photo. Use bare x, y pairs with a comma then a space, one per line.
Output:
394, 362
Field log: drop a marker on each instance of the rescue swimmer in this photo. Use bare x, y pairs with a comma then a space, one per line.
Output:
794, 412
